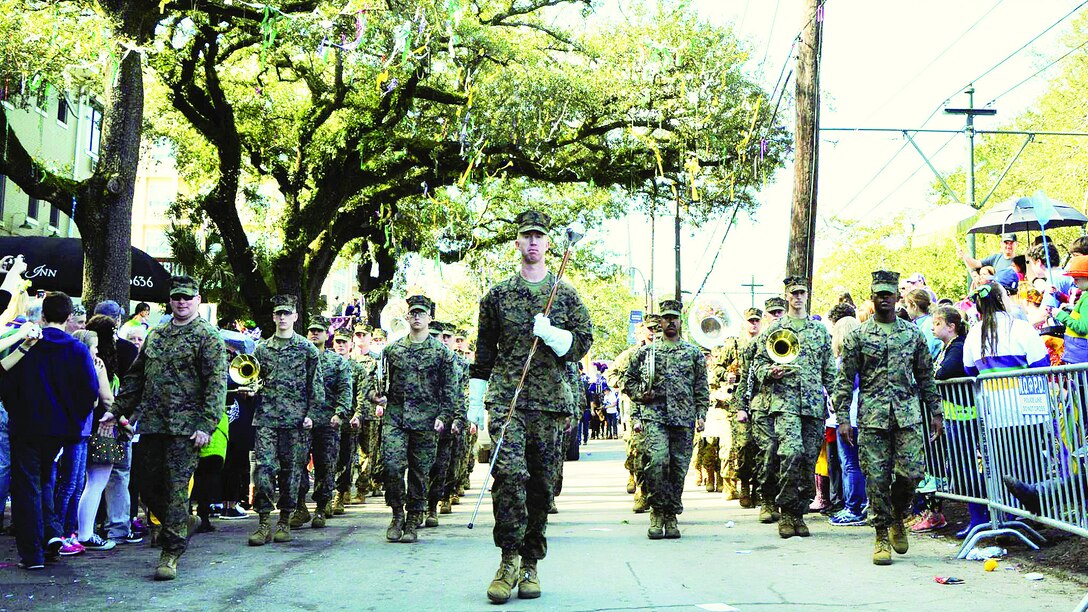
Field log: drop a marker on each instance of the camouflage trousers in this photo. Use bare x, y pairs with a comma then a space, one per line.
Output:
405, 450
280, 454
440, 470
668, 455
370, 473
324, 446
706, 453
741, 462
468, 459
345, 459
562, 443
789, 444
893, 462
636, 457
164, 465
524, 477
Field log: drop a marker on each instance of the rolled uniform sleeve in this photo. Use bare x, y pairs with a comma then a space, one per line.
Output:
213, 374
700, 387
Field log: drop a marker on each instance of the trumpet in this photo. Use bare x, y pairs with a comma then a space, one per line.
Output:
783, 347
245, 370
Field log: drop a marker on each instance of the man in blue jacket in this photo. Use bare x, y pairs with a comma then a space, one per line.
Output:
49, 392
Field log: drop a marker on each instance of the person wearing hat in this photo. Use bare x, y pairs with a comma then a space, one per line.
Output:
669, 408
617, 374
739, 469
366, 428
449, 443
418, 400
328, 417
792, 427
998, 261
511, 314
1076, 322
755, 402
890, 359
179, 386
343, 345
292, 388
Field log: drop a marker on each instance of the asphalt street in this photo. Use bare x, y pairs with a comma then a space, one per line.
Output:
599, 559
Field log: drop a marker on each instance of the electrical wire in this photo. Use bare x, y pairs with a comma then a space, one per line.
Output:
874, 207
1038, 72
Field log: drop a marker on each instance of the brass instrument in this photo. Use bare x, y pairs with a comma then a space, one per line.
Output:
245, 370
393, 323
707, 322
783, 347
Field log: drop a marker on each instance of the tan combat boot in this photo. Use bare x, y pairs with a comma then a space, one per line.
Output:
745, 495
455, 500
785, 526
767, 514
168, 567
319, 520
882, 548
432, 517
505, 579
283, 533
631, 484
711, 482
672, 530
528, 581
300, 517
446, 506
338, 504
657, 529
698, 477
263, 535
799, 527
396, 526
897, 535
641, 505
410, 525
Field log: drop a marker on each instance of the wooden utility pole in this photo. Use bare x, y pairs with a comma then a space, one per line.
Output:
799, 258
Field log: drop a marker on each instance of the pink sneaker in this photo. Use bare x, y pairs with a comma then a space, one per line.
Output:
71, 546
931, 521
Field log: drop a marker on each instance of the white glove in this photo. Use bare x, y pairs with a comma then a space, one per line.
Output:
558, 339
477, 387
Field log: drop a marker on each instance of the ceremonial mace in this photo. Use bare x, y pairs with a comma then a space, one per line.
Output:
575, 232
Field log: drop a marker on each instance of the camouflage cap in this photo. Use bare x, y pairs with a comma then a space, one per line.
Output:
753, 313
378, 334
341, 335
461, 334
362, 328
884, 280
775, 303
284, 303
533, 221
795, 283
319, 322
182, 284
671, 307
420, 303
436, 327
653, 322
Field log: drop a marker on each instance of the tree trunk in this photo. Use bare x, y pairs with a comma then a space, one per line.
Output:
104, 205
799, 259
376, 289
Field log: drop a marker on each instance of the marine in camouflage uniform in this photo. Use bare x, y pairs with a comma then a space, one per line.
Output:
324, 438
668, 409
794, 423
291, 390
177, 388
756, 401
441, 476
510, 315
563, 441
635, 461
740, 465
420, 404
892, 362
471, 434
366, 425
346, 454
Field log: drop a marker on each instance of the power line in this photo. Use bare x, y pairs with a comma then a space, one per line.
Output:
770, 34
1038, 72
873, 208
932, 62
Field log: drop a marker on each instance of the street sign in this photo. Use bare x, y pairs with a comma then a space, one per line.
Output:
633, 320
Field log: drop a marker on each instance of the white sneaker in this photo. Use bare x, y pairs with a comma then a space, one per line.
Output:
97, 543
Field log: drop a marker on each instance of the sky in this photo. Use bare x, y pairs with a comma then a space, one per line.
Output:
884, 64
